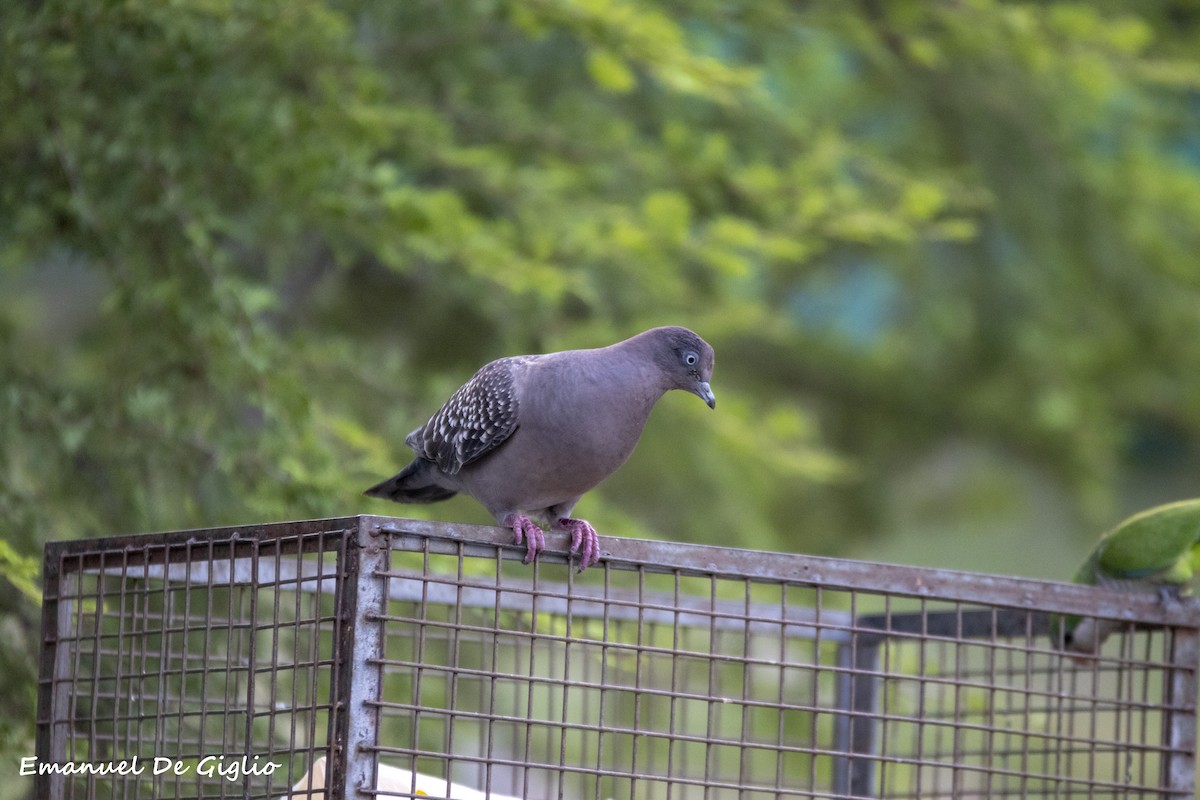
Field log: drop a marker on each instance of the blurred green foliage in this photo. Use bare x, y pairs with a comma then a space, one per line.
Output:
246, 246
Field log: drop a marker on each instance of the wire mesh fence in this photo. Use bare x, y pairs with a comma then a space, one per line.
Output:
213, 652
378, 657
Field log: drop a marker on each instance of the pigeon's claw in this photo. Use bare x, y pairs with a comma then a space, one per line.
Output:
583, 540
527, 533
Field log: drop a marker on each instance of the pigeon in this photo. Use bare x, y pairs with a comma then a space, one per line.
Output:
527, 436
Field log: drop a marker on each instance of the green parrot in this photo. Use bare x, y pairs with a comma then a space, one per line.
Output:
1156, 550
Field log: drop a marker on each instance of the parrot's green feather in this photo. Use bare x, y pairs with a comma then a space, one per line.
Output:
1157, 545
1153, 550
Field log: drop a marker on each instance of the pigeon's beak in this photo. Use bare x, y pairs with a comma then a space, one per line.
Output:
705, 393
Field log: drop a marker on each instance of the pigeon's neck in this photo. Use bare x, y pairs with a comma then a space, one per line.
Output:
633, 370
623, 377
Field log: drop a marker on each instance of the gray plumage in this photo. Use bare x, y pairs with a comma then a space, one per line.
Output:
527, 436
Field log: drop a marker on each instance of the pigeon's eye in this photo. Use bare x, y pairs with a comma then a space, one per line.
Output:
690, 359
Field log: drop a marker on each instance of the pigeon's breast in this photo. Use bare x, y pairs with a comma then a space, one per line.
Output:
574, 432
594, 418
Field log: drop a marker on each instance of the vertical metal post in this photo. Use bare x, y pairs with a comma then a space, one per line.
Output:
53, 694
1179, 719
362, 595
854, 730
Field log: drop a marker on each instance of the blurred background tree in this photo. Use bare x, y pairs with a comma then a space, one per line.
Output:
946, 253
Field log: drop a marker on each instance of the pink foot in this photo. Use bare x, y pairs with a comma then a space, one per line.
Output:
583, 539
526, 532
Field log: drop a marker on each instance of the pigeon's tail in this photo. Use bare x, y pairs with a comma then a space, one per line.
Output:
416, 483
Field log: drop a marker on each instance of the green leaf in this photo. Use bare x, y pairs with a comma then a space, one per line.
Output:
610, 72
20, 571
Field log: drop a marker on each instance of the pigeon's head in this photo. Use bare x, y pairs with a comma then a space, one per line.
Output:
686, 360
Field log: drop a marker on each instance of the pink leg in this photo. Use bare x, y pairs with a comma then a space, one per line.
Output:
583, 539
526, 532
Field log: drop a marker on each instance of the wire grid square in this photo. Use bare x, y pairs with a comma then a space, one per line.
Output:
216, 655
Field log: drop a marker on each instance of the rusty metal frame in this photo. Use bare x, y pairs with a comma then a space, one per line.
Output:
146, 585
363, 571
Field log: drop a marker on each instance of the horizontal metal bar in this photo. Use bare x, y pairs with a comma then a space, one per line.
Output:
1067, 781
864, 576
665, 558
1052, 696
140, 541
409, 586
591, 602
260, 571
956, 723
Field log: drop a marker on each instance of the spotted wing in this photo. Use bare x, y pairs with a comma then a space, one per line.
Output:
474, 421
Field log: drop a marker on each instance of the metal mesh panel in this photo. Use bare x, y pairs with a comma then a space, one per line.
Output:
647, 681
547, 690
972, 704
422, 659
214, 655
